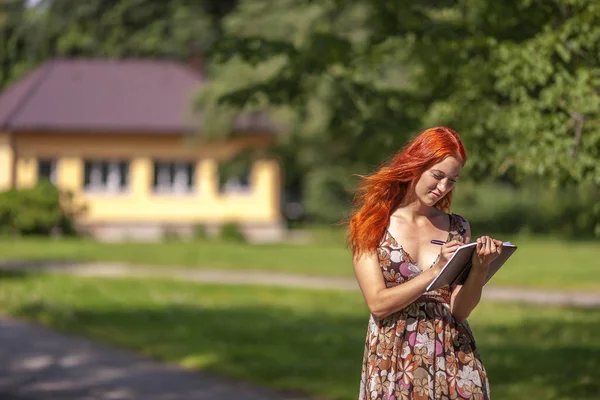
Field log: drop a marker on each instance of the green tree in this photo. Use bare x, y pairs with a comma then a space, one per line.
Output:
15, 54
131, 28
303, 62
519, 80
173, 29
523, 87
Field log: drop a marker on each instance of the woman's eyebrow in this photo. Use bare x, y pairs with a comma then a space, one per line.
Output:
443, 173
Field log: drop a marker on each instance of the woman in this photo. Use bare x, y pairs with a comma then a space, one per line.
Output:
419, 345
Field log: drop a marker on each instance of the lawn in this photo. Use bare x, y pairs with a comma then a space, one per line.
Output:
301, 339
540, 262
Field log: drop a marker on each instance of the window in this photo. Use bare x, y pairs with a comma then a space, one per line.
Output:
237, 183
47, 170
106, 176
173, 177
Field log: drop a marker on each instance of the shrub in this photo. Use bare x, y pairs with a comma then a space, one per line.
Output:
40, 210
532, 207
200, 232
170, 234
232, 232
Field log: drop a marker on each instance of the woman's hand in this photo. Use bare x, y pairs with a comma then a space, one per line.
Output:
486, 251
446, 252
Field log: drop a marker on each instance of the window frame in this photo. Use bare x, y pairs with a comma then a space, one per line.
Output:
106, 176
53, 169
176, 178
230, 186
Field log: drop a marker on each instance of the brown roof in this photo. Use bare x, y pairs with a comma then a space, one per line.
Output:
146, 96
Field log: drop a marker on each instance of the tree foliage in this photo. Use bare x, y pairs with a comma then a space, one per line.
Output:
305, 62
519, 80
175, 29
15, 54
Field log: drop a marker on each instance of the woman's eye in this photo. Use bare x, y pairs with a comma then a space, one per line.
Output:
437, 176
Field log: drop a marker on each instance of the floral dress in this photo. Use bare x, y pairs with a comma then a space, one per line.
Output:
421, 351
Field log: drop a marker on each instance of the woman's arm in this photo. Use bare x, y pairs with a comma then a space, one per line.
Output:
383, 301
466, 297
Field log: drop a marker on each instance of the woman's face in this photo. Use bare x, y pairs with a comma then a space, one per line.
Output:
438, 181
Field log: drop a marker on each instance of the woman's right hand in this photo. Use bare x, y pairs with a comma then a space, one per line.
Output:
446, 252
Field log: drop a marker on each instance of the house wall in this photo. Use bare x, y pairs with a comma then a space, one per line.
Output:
139, 208
7, 159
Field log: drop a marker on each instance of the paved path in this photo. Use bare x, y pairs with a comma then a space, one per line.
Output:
512, 294
39, 364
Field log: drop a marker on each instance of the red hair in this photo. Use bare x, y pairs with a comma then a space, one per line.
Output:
380, 193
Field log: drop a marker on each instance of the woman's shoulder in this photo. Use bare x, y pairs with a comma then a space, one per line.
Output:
455, 219
458, 224
458, 218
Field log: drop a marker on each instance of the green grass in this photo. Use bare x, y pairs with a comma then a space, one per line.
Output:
540, 262
303, 259
301, 339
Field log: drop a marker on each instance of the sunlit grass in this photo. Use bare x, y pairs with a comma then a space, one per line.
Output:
540, 262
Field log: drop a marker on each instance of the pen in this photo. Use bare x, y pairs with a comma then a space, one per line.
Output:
440, 242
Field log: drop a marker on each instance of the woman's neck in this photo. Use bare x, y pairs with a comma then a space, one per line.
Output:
415, 210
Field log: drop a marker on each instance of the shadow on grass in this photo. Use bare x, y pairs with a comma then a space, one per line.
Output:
321, 353
12, 268
13, 274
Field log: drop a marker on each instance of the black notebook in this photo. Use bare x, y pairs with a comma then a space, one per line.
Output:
456, 270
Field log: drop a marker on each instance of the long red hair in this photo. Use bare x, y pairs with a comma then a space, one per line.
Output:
380, 193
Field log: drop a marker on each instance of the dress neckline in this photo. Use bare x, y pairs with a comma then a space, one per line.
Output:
406, 253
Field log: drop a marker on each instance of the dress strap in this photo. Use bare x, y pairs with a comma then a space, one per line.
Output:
457, 227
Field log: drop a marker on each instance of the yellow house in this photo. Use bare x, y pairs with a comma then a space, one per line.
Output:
118, 133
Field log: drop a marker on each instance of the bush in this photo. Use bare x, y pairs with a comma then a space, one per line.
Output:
200, 232
328, 195
41, 210
529, 208
170, 234
232, 232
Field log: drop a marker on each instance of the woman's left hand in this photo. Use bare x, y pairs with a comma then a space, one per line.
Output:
486, 251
